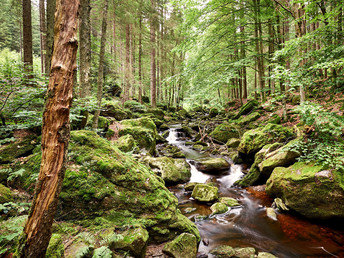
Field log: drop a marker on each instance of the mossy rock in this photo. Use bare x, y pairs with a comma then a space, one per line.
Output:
249, 118
185, 245
309, 190
213, 112
102, 182
103, 122
21, 148
205, 193
126, 143
212, 165
247, 108
172, 151
223, 251
133, 240
224, 132
265, 255
233, 143
228, 201
275, 119
135, 106
252, 141
183, 114
218, 208
245, 252
170, 170
5, 194
190, 186
143, 130
157, 112
56, 247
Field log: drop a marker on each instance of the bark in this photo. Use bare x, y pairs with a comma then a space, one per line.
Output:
133, 62
27, 38
100, 81
153, 64
127, 64
243, 70
55, 134
85, 48
140, 57
51, 8
43, 32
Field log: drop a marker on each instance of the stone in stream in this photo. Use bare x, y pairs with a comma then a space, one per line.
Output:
245, 252
309, 189
126, 143
223, 251
205, 193
212, 165
218, 208
224, 132
184, 245
228, 201
270, 212
265, 255
190, 186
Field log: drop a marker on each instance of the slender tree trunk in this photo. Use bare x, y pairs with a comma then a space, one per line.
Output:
51, 7
140, 57
153, 63
101, 66
133, 62
27, 38
127, 64
85, 48
243, 70
114, 37
43, 32
55, 134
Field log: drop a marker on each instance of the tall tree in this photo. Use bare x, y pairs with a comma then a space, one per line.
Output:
43, 32
101, 65
51, 7
55, 133
153, 63
27, 37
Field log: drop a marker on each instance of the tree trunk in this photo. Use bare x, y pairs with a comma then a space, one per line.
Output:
133, 61
153, 64
85, 48
140, 56
51, 8
55, 134
127, 64
243, 72
101, 66
43, 32
27, 38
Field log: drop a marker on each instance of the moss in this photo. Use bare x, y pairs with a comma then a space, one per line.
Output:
126, 143
233, 143
218, 208
157, 112
184, 245
213, 112
231, 202
5, 194
212, 165
10, 231
223, 251
135, 106
18, 149
249, 118
224, 132
247, 108
205, 193
56, 247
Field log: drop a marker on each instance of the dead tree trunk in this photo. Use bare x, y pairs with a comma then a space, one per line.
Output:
55, 134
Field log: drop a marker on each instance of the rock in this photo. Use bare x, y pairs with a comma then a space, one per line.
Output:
252, 141
145, 99
114, 90
134, 106
246, 252
164, 127
270, 212
249, 118
172, 151
113, 109
265, 255
223, 251
185, 245
143, 131
133, 240
279, 204
224, 132
157, 112
275, 119
187, 131
21, 148
247, 108
183, 114
233, 143
228, 201
213, 112
56, 247
309, 190
218, 208
189, 210
126, 143
102, 252
171, 171
212, 165
103, 184
5, 194
205, 193
190, 186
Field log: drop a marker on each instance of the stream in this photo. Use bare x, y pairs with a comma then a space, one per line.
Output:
248, 225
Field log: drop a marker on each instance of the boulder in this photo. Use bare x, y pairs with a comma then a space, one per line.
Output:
143, 131
185, 245
249, 118
20, 148
265, 255
245, 252
126, 143
233, 143
156, 112
103, 184
113, 109
5, 194
212, 165
205, 193
183, 114
223, 251
228, 201
218, 208
247, 108
190, 186
252, 141
135, 106
172, 151
224, 132
170, 170
309, 189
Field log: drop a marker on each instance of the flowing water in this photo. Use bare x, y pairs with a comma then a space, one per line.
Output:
248, 225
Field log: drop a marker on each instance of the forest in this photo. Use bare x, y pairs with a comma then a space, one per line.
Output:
171, 128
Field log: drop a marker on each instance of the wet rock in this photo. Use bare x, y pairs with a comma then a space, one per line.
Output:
228, 201
205, 193
171, 171
172, 151
247, 108
224, 132
270, 212
233, 143
126, 143
5, 194
132, 240
265, 255
246, 252
190, 186
189, 210
185, 245
218, 208
279, 204
223, 251
212, 165
309, 190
